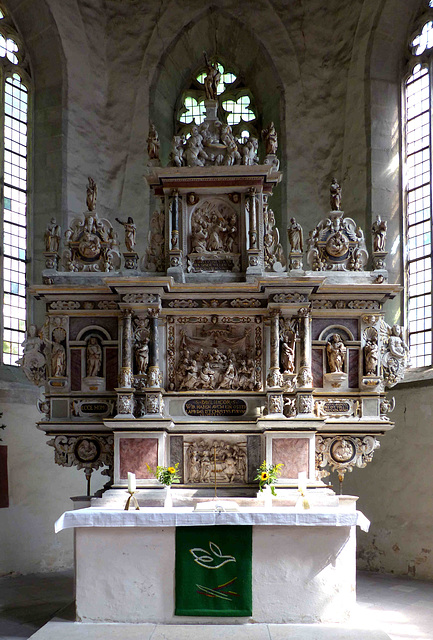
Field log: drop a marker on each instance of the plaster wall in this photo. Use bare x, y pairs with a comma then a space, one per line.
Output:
39, 492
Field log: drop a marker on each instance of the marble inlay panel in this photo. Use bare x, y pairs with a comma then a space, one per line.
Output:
134, 453
76, 369
353, 369
317, 367
292, 453
111, 368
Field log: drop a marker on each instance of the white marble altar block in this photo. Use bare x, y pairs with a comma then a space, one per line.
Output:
300, 574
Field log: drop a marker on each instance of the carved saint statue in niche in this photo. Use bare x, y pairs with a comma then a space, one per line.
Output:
336, 352
58, 358
371, 355
287, 357
270, 138
379, 234
93, 357
295, 236
52, 236
142, 356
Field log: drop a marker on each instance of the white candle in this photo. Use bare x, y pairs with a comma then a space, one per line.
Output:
132, 485
302, 481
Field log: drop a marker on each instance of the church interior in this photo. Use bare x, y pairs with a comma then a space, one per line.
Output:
315, 94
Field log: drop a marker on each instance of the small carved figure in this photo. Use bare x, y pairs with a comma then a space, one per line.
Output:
270, 138
287, 357
153, 143
371, 355
295, 236
52, 236
396, 343
130, 231
194, 153
142, 356
249, 152
335, 195
93, 357
58, 358
176, 153
379, 234
212, 79
33, 359
92, 192
336, 352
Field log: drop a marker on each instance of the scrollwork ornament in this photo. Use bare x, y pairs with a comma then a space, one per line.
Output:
343, 452
87, 452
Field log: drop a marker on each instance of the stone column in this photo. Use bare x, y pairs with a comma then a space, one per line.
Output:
153, 370
304, 378
175, 265
125, 392
274, 375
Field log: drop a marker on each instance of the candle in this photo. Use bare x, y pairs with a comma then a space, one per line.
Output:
131, 482
302, 481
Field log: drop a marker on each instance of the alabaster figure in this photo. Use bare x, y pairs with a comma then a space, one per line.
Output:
273, 249
142, 357
371, 357
33, 360
249, 152
92, 192
52, 236
93, 357
295, 236
153, 143
206, 459
335, 195
336, 352
194, 154
270, 138
287, 357
58, 358
379, 234
130, 231
212, 79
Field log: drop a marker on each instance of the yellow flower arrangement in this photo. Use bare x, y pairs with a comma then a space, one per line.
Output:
166, 475
267, 474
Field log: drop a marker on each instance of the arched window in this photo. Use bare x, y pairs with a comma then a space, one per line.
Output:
15, 84
236, 104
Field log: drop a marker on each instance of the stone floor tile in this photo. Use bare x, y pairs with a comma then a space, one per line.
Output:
322, 632
212, 632
60, 630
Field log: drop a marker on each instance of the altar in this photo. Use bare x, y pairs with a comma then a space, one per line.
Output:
303, 563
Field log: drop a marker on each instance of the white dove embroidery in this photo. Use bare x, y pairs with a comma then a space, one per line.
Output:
204, 559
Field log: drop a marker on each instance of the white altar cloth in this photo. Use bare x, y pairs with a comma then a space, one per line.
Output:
186, 516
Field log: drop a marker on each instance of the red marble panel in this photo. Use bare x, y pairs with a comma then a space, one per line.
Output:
292, 453
134, 453
317, 367
353, 369
75, 369
111, 368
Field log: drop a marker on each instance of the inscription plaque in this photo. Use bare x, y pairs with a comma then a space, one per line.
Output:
215, 407
336, 407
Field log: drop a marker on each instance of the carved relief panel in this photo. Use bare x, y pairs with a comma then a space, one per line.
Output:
210, 460
214, 353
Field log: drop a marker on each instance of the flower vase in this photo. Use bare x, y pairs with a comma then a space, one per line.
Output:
168, 500
268, 496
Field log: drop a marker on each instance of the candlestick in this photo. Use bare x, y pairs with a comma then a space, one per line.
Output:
132, 497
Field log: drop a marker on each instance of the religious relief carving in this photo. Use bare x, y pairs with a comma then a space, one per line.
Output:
87, 452
207, 461
394, 352
154, 403
91, 243
337, 244
125, 403
213, 356
34, 361
58, 352
371, 351
275, 403
275, 260
342, 453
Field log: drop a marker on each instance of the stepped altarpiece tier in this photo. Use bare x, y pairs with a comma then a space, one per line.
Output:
215, 350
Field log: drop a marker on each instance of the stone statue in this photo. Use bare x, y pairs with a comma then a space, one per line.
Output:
33, 361
394, 352
93, 357
153, 143
249, 152
92, 192
52, 236
335, 195
212, 79
142, 356
194, 153
371, 356
295, 236
58, 358
130, 231
176, 153
336, 352
287, 357
379, 234
270, 138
